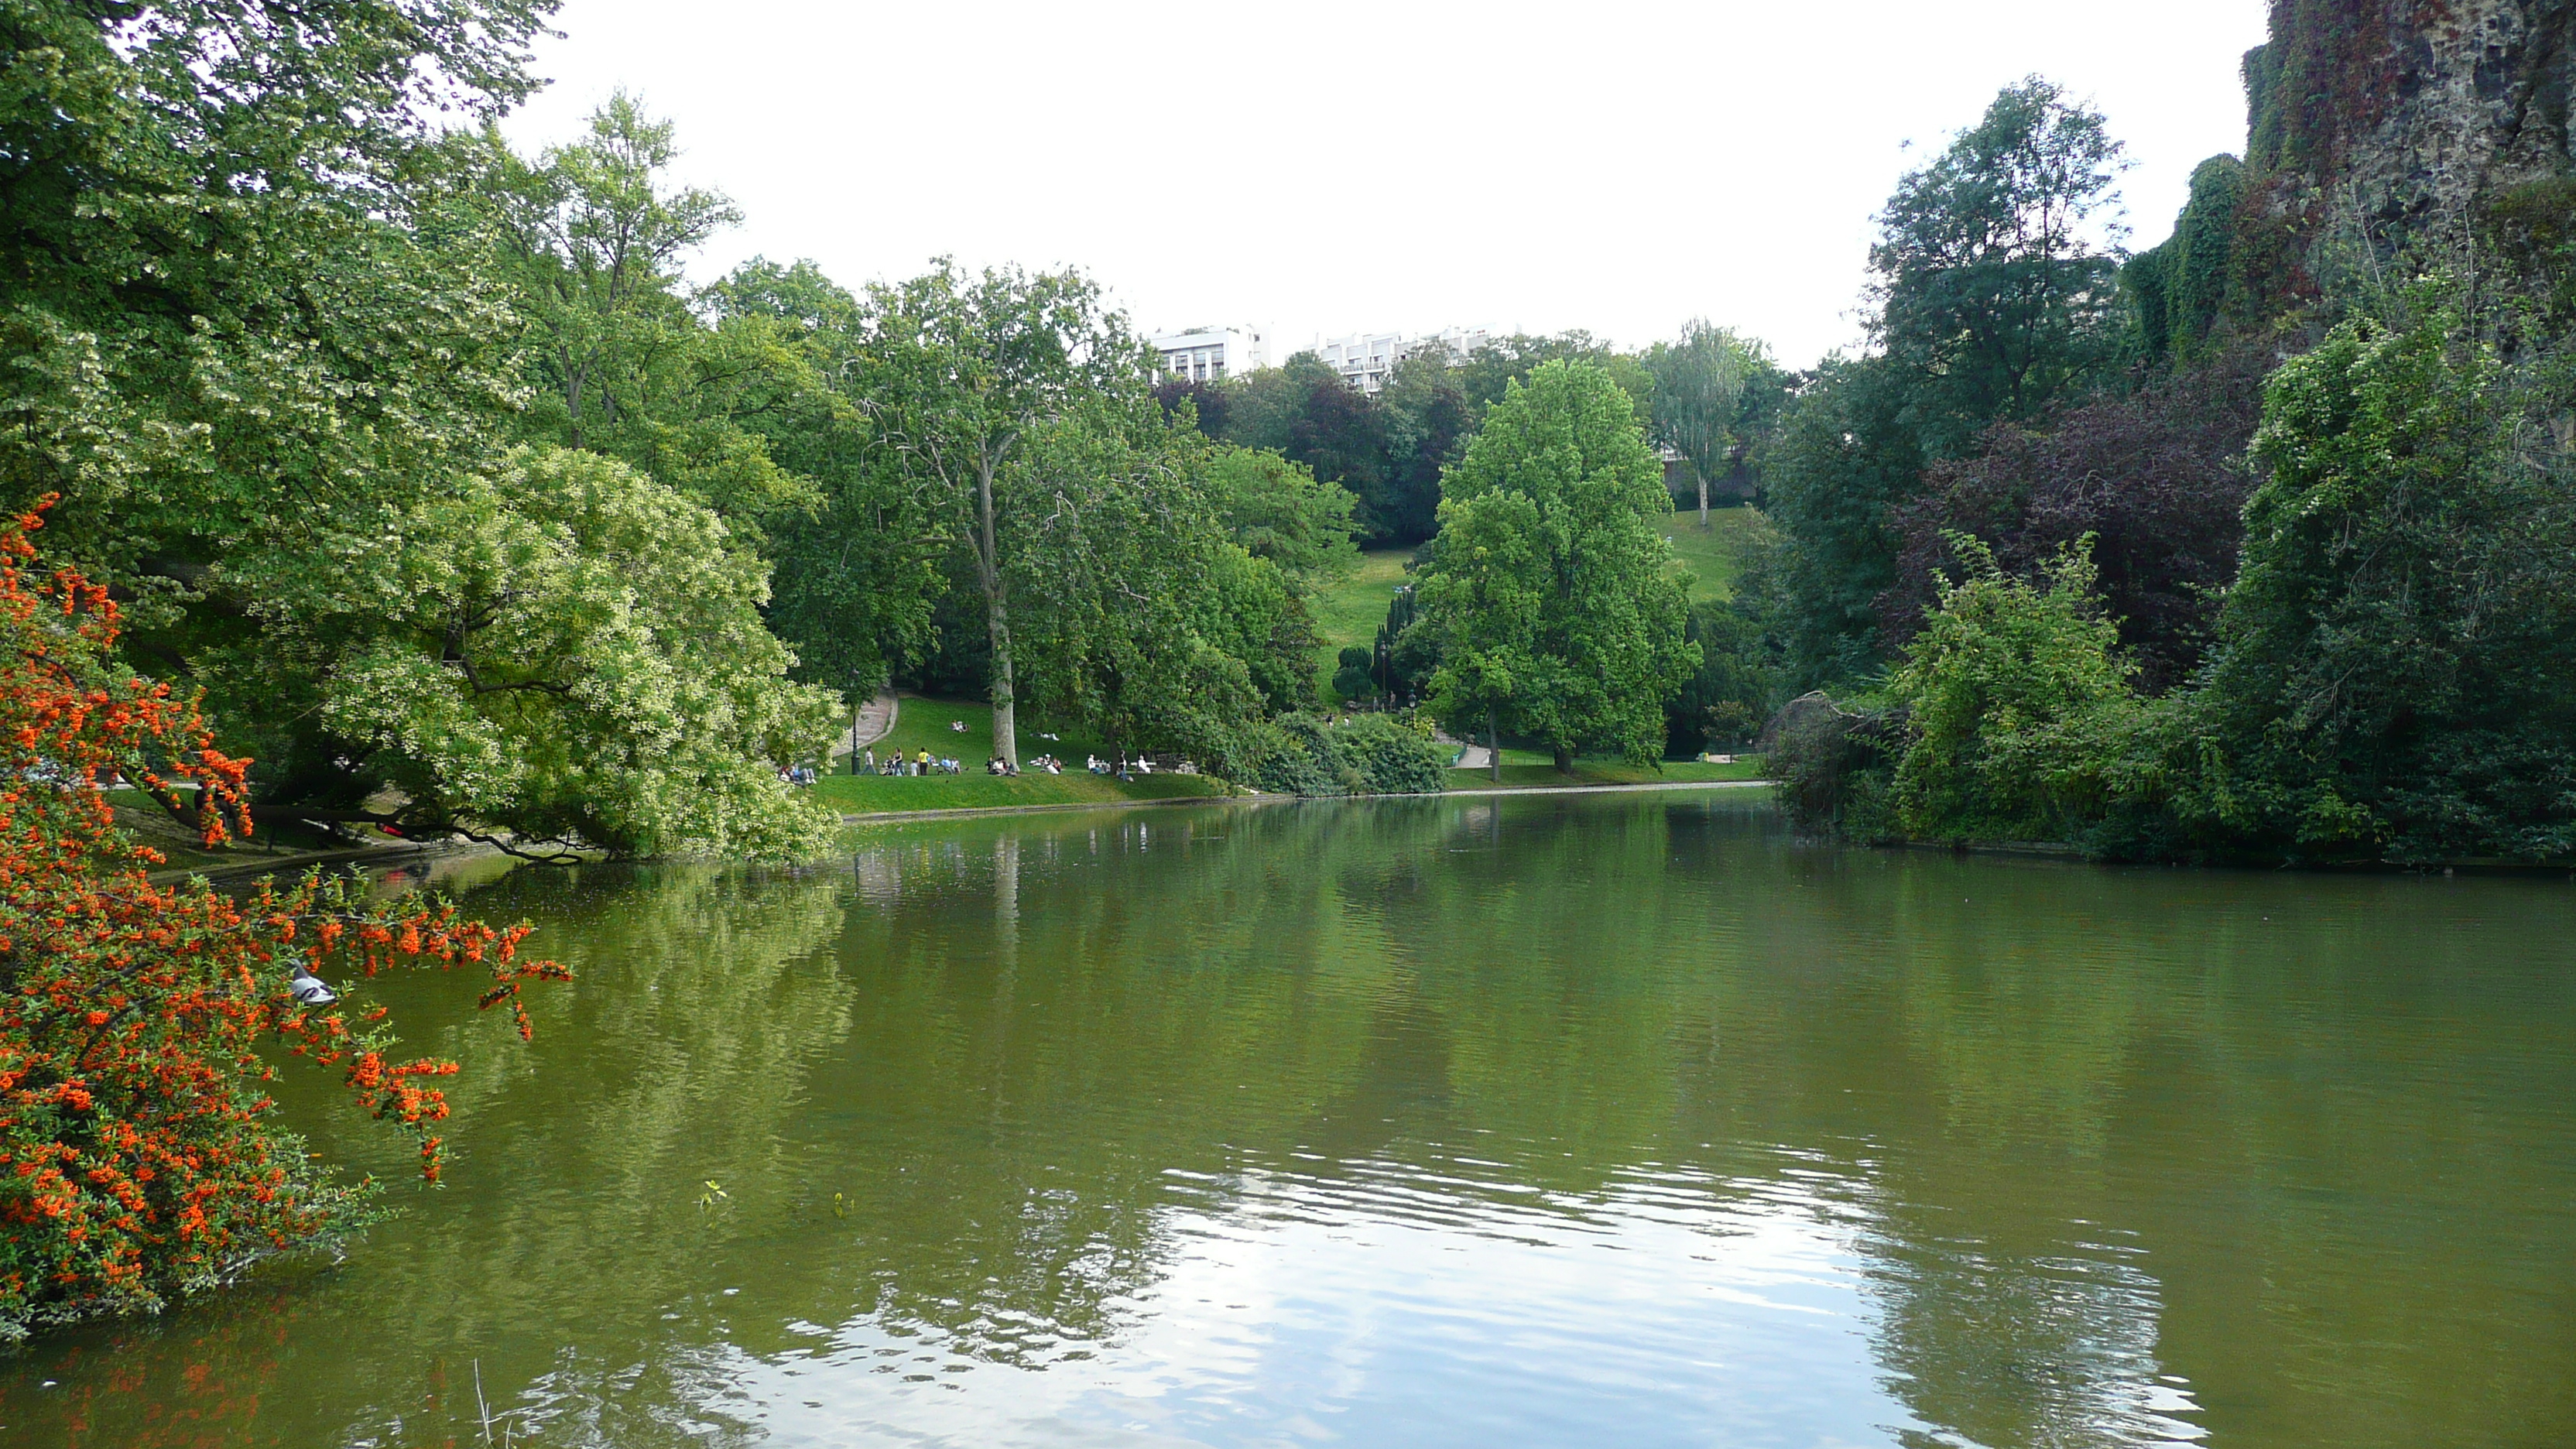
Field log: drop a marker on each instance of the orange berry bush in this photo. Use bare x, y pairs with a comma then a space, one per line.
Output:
139, 1158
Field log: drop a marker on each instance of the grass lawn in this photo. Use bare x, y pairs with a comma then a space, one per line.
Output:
1714, 557
925, 724
979, 791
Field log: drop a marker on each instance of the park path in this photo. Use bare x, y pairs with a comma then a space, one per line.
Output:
876, 721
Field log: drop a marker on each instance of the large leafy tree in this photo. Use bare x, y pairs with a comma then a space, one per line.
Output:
256, 346
1428, 419
2391, 672
858, 569
1138, 614
1995, 293
961, 374
1840, 464
214, 322
1279, 511
591, 237
1997, 290
1305, 412
1551, 595
569, 647
1485, 375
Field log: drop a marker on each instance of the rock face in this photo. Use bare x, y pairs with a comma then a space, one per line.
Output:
2411, 107
2403, 121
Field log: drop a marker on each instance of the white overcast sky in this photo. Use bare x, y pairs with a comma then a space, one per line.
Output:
1327, 167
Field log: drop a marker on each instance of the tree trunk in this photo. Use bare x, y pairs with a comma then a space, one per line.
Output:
1493, 747
997, 617
1564, 760
1006, 733
1703, 498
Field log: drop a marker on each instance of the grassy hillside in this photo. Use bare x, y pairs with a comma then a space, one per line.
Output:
1350, 611
1713, 557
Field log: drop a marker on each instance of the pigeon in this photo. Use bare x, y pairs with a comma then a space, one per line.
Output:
309, 990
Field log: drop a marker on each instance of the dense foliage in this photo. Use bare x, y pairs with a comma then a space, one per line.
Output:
268, 332
1369, 754
2157, 478
1549, 600
1996, 300
2396, 665
139, 1160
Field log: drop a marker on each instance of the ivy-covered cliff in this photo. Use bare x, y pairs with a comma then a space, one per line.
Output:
2403, 123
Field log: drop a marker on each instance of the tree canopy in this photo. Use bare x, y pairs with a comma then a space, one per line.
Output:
1551, 595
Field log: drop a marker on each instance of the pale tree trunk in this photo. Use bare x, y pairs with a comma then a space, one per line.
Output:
1703, 498
997, 616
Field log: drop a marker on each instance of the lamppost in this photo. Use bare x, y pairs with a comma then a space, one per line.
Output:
854, 721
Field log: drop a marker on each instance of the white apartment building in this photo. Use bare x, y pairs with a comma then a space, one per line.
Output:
1204, 354
1364, 359
1367, 359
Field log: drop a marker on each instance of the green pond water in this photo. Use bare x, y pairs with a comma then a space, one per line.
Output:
1621, 1120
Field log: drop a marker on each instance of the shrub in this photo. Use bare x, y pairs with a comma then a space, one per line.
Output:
1833, 766
1388, 755
1371, 755
1351, 680
138, 1159
2017, 698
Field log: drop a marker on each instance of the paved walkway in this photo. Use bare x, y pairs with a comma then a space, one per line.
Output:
876, 721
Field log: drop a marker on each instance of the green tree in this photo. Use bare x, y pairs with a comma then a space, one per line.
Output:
2016, 696
565, 649
858, 571
1278, 510
959, 373
1428, 419
1842, 461
1994, 291
257, 345
1485, 375
2390, 675
1134, 613
1994, 300
1551, 594
1699, 392
1305, 412
591, 240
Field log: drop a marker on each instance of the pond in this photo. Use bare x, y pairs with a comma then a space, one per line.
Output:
1617, 1119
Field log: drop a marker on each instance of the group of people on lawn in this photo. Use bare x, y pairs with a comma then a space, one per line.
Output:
922, 762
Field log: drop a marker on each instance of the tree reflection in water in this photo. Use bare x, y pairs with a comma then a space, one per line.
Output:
1432, 1119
